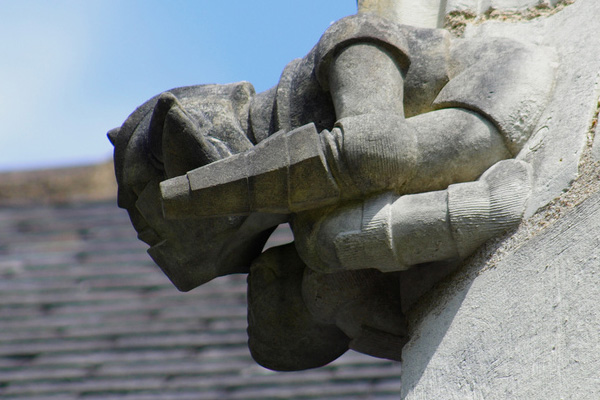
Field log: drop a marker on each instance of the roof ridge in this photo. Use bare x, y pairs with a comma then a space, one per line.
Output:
59, 185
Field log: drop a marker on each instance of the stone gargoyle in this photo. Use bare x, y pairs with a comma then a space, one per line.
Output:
387, 148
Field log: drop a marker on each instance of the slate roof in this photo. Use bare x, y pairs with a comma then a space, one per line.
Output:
85, 314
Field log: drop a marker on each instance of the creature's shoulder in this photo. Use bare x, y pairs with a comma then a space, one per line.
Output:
508, 81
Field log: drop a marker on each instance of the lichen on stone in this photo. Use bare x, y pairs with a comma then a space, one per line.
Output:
456, 21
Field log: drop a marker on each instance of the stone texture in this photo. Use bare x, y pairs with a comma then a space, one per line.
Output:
558, 140
422, 13
596, 145
364, 184
525, 326
279, 321
209, 122
519, 319
479, 7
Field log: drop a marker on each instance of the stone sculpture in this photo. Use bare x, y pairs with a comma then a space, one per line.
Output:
387, 148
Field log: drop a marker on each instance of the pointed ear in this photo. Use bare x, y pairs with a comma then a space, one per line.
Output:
112, 135
155, 133
185, 145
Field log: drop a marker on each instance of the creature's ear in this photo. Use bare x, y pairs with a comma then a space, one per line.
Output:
155, 132
185, 145
112, 135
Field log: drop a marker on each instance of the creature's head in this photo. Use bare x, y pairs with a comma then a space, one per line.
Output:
167, 136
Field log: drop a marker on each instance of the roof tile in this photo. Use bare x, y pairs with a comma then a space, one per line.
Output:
85, 314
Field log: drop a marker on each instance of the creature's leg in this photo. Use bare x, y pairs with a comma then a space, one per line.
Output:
393, 233
365, 304
282, 333
374, 148
299, 318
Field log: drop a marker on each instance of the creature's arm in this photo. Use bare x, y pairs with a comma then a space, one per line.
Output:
300, 170
393, 233
372, 148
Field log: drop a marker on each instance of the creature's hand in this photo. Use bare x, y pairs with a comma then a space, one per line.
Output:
393, 233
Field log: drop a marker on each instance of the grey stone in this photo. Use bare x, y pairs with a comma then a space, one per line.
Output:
364, 304
513, 100
283, 334
286, 172
512, 4
521, 322
142, 160
473, 6
394, 233
523, 327
560, 135
596, 144
479, 7
299, 318
387, 147
422, 13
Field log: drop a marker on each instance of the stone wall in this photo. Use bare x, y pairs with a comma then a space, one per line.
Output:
520, 319
483, 6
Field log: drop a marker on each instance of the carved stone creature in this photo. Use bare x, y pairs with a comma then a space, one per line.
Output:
387, 147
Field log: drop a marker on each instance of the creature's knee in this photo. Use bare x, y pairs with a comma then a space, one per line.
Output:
315, 233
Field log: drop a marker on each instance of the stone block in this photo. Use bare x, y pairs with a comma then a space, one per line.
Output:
525, 327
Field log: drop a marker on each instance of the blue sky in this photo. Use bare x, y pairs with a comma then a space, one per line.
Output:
70, 70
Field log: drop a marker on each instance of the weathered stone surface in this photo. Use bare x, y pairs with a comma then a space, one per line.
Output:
555, 147
365, 185
512, 102
206, 121
519, 321
394, 233
283, 334
596, 144
481, 6
422, 13
524, 327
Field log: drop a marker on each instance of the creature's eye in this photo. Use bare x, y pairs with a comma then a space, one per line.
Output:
138, 188
147, 216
